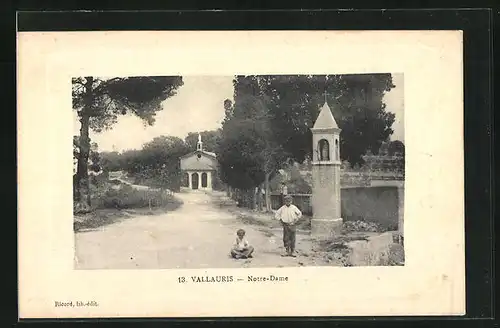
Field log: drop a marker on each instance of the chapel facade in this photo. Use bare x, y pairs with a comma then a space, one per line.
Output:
199, 168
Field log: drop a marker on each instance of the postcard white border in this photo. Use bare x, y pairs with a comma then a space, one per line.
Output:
431, 283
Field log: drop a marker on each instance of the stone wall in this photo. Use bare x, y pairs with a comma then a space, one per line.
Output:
377, 204
380, 204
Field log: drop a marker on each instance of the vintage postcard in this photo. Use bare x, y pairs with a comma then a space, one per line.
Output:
214, 174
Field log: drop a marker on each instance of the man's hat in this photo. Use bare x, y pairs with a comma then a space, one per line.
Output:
288, 197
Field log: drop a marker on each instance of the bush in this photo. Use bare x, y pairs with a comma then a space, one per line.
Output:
126, 197
299, 186
217, 183
362, 226
108, 203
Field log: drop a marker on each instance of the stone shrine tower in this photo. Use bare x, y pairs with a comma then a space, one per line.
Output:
325, 200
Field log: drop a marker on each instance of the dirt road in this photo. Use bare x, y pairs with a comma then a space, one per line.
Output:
197, 235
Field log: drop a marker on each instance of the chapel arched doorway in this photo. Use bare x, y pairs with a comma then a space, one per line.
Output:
204, 180
194, 180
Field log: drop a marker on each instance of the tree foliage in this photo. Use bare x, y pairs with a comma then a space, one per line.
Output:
156, 164
396, 147
111, 98
160, 164
99, 102
111, 161
210, 140
356, 102
247, 150
270, 121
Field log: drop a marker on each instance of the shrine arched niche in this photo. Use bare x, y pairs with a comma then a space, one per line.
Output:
324, 150
337, 152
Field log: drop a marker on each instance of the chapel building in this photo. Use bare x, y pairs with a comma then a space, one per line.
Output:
199, 168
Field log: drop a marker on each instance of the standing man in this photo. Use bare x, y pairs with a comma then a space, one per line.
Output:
288, 215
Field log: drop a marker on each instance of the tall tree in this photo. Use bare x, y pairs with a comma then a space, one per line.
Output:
357, 105
98, 103
270, 120
94, 162
160, 161
248, 152
112, 161
131, 161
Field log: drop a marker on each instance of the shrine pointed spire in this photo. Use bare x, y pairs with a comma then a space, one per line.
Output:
325, 118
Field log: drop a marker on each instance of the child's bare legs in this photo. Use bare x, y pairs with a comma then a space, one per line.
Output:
248, 251
242, 254
236, 254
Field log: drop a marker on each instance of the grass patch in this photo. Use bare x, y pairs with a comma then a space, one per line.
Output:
396, 255
127, 197
248, 219
267, 233
97, 218
115, 202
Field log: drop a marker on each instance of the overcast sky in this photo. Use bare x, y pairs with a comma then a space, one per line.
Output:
198, 106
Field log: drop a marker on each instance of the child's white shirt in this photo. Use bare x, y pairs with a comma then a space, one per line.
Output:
241, 243
288, 214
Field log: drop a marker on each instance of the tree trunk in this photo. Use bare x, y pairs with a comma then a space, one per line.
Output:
268, 193
247, 198
254, 199
260, 198
82, 175
237, 197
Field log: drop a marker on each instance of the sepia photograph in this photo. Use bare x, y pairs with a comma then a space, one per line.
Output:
194, 172
184, 164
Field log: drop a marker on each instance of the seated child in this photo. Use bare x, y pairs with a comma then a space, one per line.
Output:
241, 248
